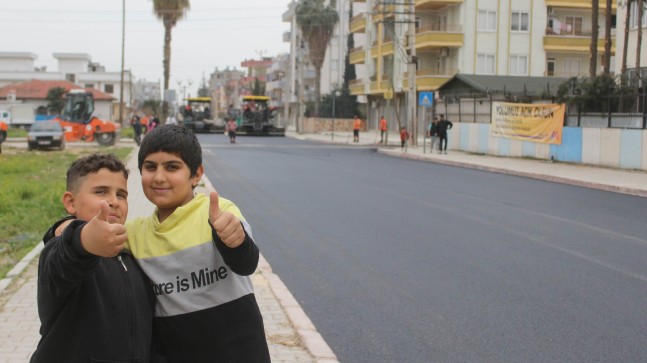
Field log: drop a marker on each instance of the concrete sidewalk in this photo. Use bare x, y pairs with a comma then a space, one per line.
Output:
609, 179
290, 334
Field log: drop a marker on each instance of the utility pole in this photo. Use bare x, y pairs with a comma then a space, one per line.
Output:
123, 48
412, 102
300, 65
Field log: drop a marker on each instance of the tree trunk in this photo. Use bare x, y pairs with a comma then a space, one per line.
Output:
167, 54
607, 38
167, 64
639, 41
625, 45
317, 90
595, 7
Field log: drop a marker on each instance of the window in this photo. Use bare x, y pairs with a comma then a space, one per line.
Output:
520, 21
109, 88
487, 20
70, 77
550, 67
633, 21
572, 67
485, 64
518, 65
573, 25
89, 85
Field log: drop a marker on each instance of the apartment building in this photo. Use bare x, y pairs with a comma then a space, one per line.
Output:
539, 38
301, 76
632, 39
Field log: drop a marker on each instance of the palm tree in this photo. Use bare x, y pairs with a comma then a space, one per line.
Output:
595, 7
640, 5
317, 23
607, 38
169, 12
625, 44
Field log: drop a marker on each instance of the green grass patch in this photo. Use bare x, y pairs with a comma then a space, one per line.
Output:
17, 132
32, 184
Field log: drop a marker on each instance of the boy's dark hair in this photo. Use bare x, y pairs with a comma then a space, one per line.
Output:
92, 164
175, 140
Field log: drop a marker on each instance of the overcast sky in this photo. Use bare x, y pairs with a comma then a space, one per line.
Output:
215, 33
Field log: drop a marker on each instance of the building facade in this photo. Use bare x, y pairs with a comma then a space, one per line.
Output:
418, 45
76, 68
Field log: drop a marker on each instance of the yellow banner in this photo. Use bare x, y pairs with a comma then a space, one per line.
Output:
528, 121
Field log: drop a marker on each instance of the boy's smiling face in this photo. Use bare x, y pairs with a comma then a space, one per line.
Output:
107, 185
167, 182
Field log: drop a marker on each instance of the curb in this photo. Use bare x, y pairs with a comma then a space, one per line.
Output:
310, 337
20, 266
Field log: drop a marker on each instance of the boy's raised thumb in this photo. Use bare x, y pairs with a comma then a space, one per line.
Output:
214, 208
104, 212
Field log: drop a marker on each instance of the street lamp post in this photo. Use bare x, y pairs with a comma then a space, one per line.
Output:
334, 97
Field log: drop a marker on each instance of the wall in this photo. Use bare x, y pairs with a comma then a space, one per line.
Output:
317, 125
617, 148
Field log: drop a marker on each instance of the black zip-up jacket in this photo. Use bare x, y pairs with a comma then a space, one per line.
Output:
92, 309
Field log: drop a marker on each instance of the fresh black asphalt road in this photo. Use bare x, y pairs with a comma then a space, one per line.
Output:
397, 260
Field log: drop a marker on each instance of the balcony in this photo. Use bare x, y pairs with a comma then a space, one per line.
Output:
356, 55
435, 4
309, 74
578, 4
358, 24
387, 49
430, 79
380, 86
383, 11
278, 84
450, 36
579, 42
356, 87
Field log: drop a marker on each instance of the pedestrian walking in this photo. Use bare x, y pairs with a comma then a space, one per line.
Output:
432, 133
231, 130
357, 124
441, 129
404, 136
3, 134
136, 123
383, 128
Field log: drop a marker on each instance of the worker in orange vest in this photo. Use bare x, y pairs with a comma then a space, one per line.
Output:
3, 134
382, 129
357, 124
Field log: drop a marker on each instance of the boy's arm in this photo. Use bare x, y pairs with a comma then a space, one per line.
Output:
62, 267
232, 239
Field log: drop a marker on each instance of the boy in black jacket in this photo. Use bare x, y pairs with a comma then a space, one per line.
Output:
94, 302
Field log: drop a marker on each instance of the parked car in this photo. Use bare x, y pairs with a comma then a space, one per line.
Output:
46, 134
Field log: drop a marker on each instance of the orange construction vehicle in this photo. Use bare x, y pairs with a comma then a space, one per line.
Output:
80, 125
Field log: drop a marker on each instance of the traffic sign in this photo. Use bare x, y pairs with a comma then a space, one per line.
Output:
426, 99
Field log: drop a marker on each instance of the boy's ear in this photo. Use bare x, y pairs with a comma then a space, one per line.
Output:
198, 175
68, 202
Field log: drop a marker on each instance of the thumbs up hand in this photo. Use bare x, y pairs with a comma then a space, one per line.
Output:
227, 226
101, 238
